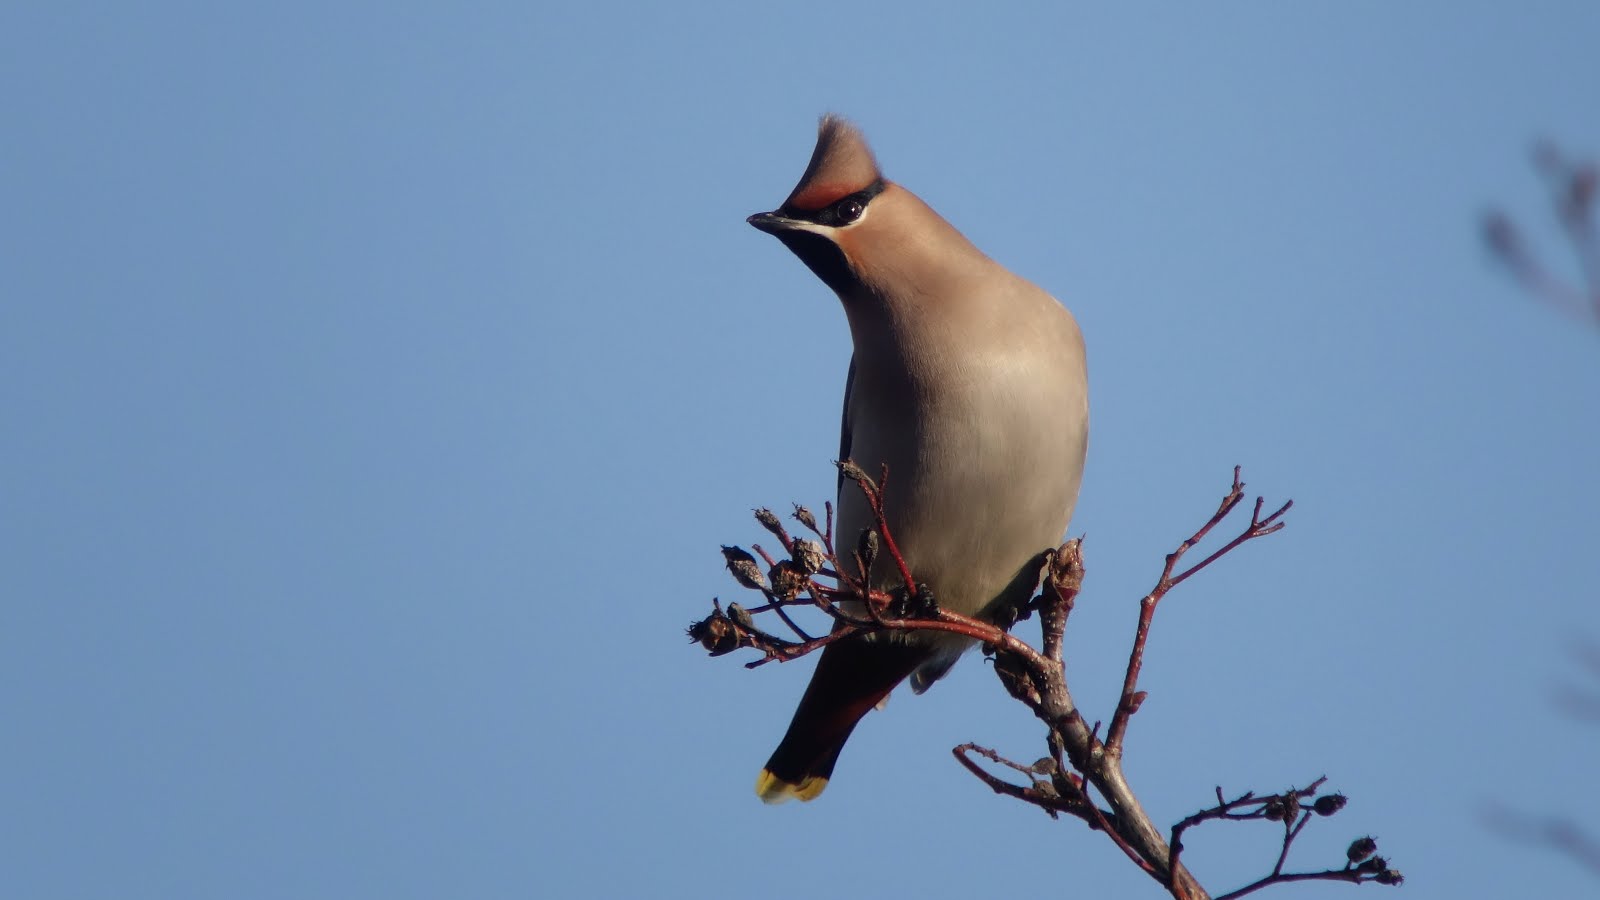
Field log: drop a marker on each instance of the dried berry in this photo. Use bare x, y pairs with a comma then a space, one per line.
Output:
787, 580
1361, 848
808, 556
744, 568
1328, 804
769, 521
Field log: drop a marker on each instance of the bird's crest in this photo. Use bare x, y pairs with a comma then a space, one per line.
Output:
841, 165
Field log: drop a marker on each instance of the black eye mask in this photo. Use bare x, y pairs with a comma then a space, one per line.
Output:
842, 211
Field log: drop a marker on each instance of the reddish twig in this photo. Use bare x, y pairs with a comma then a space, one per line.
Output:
1294, 810
1048, 796
1258, 527
1053, 805
874, 493
798, 631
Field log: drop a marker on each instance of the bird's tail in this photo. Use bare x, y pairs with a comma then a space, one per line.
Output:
853, 676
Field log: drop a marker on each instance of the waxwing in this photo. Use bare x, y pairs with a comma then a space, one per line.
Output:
968, 382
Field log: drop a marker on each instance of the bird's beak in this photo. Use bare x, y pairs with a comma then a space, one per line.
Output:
773, 223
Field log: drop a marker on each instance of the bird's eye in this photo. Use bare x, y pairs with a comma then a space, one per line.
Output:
850, 210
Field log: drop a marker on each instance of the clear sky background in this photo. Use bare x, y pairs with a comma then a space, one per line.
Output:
379, 380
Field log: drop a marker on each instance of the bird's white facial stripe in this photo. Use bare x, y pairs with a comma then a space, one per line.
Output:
828, 231
812, 227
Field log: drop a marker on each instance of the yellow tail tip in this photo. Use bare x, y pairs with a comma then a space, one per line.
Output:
772, 789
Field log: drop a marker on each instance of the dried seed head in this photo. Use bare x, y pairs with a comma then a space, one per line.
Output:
1375, 864
1291, 806
1328, 804
855, 473
867, 547
804, 517
1044, 766
787, 579
808, 556
1390, 876
1361, 848
744, 568
769, 521
717, 633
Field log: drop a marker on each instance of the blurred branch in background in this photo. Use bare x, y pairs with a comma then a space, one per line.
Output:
1573, 185
1582, 702
1561, 835
1555, 832
1081, 775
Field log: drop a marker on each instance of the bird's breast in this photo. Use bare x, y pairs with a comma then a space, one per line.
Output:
984, 453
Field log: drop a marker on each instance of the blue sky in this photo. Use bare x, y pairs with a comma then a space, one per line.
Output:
380, 381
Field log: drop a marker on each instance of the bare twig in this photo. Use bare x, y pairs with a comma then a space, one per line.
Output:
1555, 832
1132, 697
1049, 800
873, 492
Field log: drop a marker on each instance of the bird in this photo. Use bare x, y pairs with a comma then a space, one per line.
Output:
969, 384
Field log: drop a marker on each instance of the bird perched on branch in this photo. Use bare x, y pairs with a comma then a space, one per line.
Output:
968, 382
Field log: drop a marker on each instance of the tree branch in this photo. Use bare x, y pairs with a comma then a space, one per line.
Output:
1079, 765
